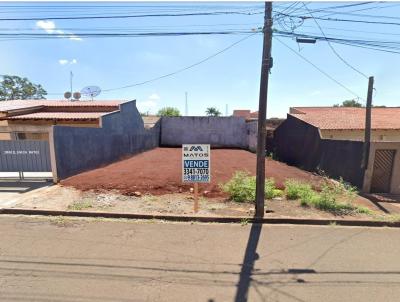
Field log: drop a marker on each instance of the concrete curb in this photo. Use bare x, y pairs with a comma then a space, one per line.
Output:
229, 219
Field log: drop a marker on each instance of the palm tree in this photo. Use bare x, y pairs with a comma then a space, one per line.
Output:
212, 111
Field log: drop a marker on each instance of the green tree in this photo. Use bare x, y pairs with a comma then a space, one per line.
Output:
349, 103
17, 88
168, 111
212, 111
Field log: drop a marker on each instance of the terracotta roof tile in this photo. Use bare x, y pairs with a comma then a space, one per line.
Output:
343, 118
241, 113
6, 106
58, 116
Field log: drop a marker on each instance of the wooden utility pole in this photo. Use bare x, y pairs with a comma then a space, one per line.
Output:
367, 136
262, 110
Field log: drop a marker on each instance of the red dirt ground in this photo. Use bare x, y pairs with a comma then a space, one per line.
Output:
158, 171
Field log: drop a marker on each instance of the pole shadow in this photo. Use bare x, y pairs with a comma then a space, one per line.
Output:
250, 257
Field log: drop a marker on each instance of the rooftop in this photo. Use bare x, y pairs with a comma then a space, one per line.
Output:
348, 118
6, 106
58, 116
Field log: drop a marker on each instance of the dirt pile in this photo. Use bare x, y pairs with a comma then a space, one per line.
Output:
158, 172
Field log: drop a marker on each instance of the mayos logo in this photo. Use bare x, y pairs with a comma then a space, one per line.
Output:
194, 148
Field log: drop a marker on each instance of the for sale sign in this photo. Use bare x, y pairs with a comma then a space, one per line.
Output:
196, 163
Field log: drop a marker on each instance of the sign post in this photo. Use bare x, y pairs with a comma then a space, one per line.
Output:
196, 168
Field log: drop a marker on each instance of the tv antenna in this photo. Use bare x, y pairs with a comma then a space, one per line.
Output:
91, 91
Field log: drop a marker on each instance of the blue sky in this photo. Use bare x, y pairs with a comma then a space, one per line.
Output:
230, 78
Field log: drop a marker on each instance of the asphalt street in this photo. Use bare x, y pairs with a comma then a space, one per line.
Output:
60, 259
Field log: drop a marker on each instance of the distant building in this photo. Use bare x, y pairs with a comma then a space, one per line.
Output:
252, 117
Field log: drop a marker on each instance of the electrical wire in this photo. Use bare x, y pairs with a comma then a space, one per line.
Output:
317, 68
332, 48
342, 20
177, 71
215, 13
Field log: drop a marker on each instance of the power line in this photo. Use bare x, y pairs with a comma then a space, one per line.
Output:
183, 69
341, 20
380, 45
216, 13
139, 34
319, 69
332, 48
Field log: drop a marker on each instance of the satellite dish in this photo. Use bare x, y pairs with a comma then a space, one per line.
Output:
91, 91
77, 95
67, 95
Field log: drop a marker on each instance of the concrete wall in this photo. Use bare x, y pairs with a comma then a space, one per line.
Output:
252, 135
75, 149
298, 143
395, 181
358, 135
220, 132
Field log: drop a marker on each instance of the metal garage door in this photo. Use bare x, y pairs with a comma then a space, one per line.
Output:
382, 173
24, 156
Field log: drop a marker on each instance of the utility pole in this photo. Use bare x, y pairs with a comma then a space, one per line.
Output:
70, 80
262, 110
367, 135
186, 104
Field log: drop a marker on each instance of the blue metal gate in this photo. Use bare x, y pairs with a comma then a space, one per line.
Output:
24, 156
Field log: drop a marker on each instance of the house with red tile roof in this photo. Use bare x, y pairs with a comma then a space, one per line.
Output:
348, 123
32, 119
331, 139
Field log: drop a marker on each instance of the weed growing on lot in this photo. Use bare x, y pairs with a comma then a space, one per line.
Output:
242, 187
244, 222
296, 190
80, 205
335, 198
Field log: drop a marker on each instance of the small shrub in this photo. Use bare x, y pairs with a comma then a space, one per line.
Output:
242, 187
270, 189
295, 189
364, 210
308, 198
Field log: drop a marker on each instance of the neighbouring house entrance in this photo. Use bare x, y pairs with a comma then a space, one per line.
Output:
21, 156
382, 172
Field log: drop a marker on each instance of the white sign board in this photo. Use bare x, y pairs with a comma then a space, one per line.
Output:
196, 163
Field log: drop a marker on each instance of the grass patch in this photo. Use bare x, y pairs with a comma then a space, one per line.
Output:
242, 187
336, 198
80, 205
296, 190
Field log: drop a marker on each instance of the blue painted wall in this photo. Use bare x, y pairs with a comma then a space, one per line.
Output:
78, 149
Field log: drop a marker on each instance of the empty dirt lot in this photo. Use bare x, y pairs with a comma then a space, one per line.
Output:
158, 172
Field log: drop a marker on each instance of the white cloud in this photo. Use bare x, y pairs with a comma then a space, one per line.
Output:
154, 97
149, 104
65, 61
75, 38
50, 28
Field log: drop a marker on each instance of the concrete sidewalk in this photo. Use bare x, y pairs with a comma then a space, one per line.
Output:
12, 191
61, 259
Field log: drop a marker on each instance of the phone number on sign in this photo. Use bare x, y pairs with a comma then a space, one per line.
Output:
196, 178
195, 171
